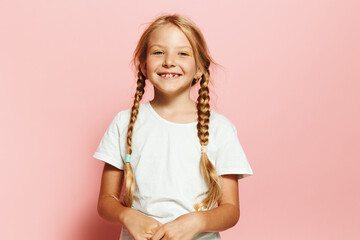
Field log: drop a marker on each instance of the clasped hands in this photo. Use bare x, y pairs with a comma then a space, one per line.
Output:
185, 227
182, 228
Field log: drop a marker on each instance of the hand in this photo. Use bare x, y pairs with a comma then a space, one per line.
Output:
184, 227
139, 225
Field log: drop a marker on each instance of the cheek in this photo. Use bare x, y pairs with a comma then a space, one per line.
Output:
191, 67
151, 64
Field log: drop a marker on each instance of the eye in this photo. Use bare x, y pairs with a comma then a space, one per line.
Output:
157, 52
185, 54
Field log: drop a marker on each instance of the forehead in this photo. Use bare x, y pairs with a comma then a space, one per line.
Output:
168, 36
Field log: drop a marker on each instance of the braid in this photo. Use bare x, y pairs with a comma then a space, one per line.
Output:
206, 167
129, 175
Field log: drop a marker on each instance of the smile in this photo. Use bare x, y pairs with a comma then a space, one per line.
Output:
169, 75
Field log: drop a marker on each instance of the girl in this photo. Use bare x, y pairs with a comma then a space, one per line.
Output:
179, 161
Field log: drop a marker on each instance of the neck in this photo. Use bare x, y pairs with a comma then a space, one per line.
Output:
173, 103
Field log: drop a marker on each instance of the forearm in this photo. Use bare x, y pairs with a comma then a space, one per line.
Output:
218, 219
112, 210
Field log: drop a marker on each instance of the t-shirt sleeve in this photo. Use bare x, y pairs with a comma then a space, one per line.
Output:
231, 158
109, 147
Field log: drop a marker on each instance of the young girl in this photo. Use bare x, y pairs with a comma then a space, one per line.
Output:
179, 161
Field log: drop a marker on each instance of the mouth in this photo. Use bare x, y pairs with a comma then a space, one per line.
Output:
169, 75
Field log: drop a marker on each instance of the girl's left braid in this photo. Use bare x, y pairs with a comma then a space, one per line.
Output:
207, 169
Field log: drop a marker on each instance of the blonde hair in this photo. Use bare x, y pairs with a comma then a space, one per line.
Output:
202, 60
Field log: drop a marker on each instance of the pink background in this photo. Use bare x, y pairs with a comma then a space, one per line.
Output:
290, 84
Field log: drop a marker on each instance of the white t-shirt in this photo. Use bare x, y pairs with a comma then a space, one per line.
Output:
165, 159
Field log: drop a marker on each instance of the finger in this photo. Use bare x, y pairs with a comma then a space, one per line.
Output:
155, 229
147, 236
158, 235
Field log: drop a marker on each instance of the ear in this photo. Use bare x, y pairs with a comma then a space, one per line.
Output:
198, 73
143, 69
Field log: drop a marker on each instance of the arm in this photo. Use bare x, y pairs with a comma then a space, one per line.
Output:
227, 214
108, 207
139, 225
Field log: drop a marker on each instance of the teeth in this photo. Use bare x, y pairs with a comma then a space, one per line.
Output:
169, 75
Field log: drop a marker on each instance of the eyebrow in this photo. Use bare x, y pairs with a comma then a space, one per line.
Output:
163, 46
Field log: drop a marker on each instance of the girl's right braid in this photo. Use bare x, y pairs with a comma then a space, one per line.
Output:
129, 175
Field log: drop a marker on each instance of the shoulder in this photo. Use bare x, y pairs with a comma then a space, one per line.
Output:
122, 117
220, 122
221, 129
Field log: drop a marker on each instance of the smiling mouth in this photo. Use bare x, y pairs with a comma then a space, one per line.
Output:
169, 76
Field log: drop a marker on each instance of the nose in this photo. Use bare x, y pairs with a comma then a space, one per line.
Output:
168, 61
